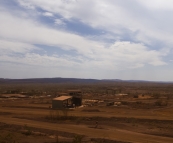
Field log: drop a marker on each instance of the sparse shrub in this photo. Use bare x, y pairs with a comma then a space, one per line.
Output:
138, 102
28, 130
161, 103
156, 95
124, 103
77, 139
158, 103
7, 138
135, 96
133, 121
78, 120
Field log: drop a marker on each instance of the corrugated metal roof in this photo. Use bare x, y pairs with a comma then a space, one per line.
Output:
62, 98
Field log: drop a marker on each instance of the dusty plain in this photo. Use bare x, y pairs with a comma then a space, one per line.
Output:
141, 113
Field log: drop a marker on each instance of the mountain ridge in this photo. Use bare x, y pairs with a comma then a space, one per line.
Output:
71, 80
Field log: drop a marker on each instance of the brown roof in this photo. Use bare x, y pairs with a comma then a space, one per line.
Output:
62, 98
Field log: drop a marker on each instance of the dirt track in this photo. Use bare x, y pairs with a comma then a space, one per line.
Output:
109, 133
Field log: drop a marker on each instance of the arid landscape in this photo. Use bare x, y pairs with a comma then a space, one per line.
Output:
115, 112
86, 71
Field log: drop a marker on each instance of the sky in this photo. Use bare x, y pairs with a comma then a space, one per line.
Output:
99, 39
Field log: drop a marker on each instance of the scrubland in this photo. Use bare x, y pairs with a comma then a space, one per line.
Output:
117, 112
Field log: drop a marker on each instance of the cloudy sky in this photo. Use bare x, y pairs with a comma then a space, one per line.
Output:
101, 39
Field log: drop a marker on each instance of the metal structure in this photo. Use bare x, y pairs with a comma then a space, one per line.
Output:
76, 97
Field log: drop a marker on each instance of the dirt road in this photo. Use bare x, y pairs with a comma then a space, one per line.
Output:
109, 133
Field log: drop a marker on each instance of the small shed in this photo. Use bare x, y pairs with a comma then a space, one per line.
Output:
62, 102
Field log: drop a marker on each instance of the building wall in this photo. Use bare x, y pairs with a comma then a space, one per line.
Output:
77, 97
57, 104
77, 101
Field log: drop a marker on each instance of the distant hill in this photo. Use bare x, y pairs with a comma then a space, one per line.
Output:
69, 80
49, 80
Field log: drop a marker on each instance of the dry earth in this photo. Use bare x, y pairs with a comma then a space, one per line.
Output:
115, 123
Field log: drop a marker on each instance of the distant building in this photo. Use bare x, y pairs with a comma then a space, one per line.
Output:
72, 98
62, 102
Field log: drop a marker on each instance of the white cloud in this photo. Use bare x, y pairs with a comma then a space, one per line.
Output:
130, 55
158, 4
119, 55
33, 59
59, 22
26, 4
29, 31
48, 14
10, 47
117, 16
19, 35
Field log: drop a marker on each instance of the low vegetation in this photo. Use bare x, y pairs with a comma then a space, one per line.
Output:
145, 108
